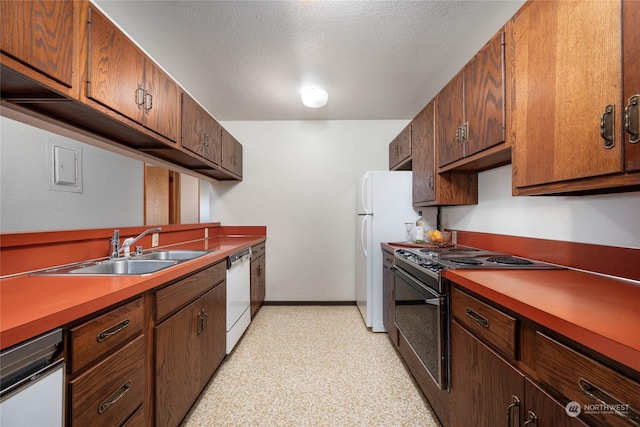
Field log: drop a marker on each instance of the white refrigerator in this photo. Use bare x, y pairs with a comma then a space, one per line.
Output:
384, 204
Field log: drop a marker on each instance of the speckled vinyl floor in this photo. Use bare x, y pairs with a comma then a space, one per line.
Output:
311, 366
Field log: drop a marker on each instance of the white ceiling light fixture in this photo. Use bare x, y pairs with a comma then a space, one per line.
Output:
314, 97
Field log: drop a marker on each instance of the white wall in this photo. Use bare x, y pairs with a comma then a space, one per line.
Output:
610, 219
300, 181
112, 185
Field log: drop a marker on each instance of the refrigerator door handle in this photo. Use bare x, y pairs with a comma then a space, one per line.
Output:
363, 230
363, 193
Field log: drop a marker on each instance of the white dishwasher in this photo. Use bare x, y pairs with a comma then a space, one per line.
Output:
32, 383
238, 296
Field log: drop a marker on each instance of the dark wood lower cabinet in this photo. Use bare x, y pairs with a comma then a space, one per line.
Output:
258, 278
487, 391
109, 392
482, 383
189, 347
388, 298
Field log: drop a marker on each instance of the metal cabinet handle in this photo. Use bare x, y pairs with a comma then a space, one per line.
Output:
607, 126
203, 320
430, 183
478, 318
114, 397
532, 420
632, 119
140, 97
605, 398
515, 403
464, 132
112, 330
148, 101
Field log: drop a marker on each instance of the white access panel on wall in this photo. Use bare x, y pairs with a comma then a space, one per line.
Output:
65, 163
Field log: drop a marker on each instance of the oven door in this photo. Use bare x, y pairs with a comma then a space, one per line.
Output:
422, 317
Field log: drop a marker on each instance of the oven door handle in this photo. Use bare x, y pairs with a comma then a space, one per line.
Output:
419, 287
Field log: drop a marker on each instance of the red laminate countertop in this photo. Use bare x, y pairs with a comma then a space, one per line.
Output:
31, 304
601, 313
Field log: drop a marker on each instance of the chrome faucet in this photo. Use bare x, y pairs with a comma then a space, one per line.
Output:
115, 242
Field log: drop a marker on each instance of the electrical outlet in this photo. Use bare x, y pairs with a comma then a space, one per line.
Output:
155, 239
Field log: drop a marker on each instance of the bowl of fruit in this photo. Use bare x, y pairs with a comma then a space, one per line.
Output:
437, 237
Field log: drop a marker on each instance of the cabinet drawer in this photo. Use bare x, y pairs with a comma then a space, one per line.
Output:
177, 295
110, 392
581, 379
95, 338
257, 251
487, 323
387, 259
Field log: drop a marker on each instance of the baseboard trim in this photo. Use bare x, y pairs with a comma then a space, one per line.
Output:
329, 303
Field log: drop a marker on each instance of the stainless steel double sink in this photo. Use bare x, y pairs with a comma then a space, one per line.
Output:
135, 265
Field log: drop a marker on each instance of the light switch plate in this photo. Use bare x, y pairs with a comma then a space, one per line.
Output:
155, 240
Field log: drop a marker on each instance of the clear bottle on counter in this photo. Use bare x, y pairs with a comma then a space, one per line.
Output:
419, 230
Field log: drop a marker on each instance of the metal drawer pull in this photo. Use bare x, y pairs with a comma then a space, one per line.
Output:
612, 403
114, 397
515, 404
478, 318
113, 330
532, 420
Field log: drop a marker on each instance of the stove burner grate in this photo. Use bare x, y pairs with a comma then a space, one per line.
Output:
463, 250
510, 261
465, 261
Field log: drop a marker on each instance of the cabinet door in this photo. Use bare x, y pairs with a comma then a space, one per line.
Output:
161, 110
178, 365
213, 139
257, 284
388, 290
231, 153
211, 308
482, 383
40, 34
423, 170
116, 69
192, 125
545, 408
567, 71
400, 149
449, 117
484, 98
631, 72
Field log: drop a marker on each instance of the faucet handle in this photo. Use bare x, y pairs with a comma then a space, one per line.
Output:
114, 244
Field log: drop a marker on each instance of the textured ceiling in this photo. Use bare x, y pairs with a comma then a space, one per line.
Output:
248, 60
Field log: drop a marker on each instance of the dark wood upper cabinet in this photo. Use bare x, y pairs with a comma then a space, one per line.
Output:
568, 110
631, 83
470, 110
429, 187
38, 41
123, 79
201, 133
231, 154
400, 150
